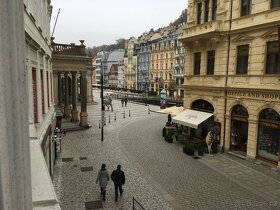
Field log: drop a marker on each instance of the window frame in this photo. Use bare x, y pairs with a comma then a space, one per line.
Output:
245, 9
210, 65
275, 65
240, 66
197, 63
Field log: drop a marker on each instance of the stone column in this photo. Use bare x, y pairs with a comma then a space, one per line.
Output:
74, 98
67, 110
89, 87
59, 82
15, 166
83, 114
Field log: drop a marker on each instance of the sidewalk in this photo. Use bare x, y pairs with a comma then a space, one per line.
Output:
258, 179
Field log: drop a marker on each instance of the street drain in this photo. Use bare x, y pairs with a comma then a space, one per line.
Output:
93, 205
85, 169
83, 158
196, 157
66, 159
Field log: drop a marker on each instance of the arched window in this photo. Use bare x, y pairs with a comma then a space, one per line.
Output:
269, 135
202, 105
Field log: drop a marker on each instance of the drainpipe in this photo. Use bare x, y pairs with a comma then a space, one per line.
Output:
226, 79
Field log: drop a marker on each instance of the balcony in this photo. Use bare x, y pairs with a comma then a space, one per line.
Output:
202, 31
69, 49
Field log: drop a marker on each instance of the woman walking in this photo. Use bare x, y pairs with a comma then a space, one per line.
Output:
103, 178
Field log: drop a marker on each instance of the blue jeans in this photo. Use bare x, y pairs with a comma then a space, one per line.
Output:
118, 188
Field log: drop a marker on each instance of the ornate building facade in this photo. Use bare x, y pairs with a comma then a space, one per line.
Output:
162, 63
232, 65
130, 65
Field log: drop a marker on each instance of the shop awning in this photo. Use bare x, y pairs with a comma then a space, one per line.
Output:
191, 118
174, 110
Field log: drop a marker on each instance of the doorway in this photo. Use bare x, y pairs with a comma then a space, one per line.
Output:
239, 129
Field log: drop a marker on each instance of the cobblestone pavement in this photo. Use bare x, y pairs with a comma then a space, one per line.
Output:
159, 175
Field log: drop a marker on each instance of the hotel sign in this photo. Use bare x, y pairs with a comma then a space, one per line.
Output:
243, 94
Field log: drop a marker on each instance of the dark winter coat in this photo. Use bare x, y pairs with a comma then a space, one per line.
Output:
118, 177
102, 177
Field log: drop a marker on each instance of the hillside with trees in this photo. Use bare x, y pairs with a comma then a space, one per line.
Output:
120, 43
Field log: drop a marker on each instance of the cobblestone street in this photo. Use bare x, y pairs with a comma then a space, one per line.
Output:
158, 174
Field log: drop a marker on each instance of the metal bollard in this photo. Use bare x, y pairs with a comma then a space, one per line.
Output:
149, 111
129, 113
99, 123
115, 116
123, 114
109, 119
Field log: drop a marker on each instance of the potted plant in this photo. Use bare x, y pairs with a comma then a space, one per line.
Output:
169, 137
215, 147
164, 132
200, 149
189, 148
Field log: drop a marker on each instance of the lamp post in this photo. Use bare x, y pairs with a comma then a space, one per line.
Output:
102, 105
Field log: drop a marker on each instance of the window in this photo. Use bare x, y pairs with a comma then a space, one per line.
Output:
210, 62
245, 7
197, 58
166, 66
214, 9
272, 58
206, 12
275, 4
199, 11
242, 59
166, 55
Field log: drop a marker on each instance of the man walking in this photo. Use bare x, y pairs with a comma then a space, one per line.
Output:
118, 178
103, 178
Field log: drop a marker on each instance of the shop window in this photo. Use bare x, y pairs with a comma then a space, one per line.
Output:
214, 9
242, 59
245, 7
199, 12
206, 11
210, 62
269, 135
197, 59
275, 3
272, 58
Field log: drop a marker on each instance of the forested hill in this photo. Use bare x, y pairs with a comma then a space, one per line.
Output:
120, 43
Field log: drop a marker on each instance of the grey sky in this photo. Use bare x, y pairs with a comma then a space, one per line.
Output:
104, 21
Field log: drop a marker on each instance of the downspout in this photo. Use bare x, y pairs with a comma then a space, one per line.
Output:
226, 79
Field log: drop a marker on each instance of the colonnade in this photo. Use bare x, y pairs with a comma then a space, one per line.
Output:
72, 86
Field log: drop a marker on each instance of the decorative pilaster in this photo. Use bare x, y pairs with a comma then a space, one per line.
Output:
74, 98
67, 110
83, 114
59, 82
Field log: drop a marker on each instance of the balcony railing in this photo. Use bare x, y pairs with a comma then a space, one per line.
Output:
68, 49
205, 30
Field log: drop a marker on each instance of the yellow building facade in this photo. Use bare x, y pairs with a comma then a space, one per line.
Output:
162, 64
130, 65
232, 70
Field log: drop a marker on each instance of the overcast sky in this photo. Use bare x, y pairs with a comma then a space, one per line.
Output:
104, 21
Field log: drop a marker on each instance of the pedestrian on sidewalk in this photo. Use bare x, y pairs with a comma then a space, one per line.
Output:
103, 178
122, 102
125, 101
118, 178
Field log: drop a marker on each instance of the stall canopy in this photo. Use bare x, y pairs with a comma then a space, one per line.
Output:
174, 110
191, 118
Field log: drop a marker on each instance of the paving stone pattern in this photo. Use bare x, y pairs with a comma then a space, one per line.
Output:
158, 174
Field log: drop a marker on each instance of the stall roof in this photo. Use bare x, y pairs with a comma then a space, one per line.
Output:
191, 118
174, 110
